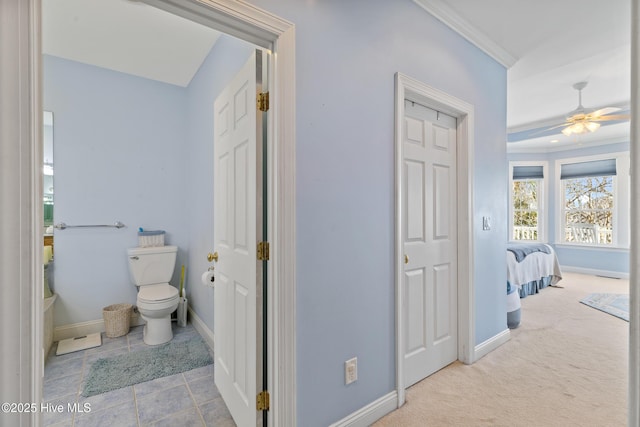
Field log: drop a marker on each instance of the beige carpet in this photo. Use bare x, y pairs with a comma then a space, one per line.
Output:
566, 365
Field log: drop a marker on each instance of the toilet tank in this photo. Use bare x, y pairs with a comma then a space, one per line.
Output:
148, 266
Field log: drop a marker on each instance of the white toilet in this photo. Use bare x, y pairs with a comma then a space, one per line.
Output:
151, 269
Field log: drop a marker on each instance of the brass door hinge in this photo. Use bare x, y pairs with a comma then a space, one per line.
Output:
263, 251
263, 101
262, 401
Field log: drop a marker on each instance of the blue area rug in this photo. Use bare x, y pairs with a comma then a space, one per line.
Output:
613, 304
144, 365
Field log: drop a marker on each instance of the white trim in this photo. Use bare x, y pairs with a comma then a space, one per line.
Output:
21, 278
492, 343
542, 198
97, 326
78, 329
634, 283
407, 87
371, 413
202, 328
594, 272
33, 175
282, 235
73, 330
588, 247
453, 20
240, 19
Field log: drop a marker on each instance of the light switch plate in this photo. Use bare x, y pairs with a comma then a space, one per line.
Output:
486, 223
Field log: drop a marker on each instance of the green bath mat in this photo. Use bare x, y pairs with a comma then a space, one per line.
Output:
136, 367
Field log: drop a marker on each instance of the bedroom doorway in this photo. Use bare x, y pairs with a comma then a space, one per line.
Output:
434, 238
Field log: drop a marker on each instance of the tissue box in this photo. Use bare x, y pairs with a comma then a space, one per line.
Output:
150, 238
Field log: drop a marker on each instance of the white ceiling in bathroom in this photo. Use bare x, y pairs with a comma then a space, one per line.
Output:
126, 36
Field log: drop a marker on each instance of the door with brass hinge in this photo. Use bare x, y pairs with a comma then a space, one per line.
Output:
239, 224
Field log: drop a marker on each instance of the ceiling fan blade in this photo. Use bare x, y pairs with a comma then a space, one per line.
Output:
608, 118
558, 126
605, 111
551, 128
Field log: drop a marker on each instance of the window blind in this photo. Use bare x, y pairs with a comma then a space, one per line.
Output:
587, 169
527, 172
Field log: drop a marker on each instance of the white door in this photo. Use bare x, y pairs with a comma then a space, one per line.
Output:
238, 221
429, 238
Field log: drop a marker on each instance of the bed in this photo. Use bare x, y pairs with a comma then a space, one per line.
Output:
532, 267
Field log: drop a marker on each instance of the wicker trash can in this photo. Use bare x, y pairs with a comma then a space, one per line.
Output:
117, 319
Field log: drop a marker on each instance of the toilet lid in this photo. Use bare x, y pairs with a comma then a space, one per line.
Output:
157, 293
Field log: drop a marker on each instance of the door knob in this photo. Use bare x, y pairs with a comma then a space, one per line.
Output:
212, 256
406, 259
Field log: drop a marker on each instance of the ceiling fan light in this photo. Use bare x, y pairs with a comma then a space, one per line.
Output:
580, 118
592, 126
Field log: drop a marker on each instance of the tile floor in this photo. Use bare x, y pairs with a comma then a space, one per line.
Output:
187, 399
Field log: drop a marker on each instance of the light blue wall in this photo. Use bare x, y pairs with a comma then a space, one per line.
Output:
606, 260
346, 56
146, 148
225, 59
119, 155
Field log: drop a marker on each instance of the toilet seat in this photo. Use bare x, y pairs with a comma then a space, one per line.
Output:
157, 294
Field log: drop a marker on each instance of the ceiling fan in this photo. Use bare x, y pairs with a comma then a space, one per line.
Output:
583, 120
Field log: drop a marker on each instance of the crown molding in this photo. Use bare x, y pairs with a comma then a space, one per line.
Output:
453, 20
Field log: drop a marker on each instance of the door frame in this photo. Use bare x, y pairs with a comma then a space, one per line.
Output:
412, 89
23, 47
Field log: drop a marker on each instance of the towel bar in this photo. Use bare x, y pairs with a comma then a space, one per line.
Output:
62, 225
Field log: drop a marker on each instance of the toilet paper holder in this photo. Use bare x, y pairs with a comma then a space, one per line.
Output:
208, 278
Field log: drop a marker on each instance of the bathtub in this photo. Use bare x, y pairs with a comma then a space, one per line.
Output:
47, 339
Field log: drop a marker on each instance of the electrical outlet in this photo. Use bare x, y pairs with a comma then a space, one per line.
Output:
350, 370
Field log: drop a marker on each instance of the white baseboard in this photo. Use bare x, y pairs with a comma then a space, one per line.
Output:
202, 328
595, 272
90, 327
97, 326
491, 344
371, 413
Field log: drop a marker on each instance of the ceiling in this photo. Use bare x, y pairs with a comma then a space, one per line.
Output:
126, 36
547, 46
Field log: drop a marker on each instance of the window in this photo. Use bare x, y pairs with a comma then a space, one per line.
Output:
526, 216
588, 190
